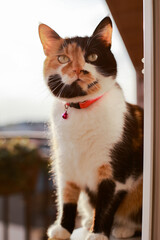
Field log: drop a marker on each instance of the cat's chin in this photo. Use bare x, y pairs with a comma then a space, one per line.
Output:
82, 98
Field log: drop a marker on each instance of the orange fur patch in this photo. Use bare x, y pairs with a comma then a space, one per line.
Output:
49, 38
92, 226
76, 55
132, 203
104, 172
137, 142
86, 80
94, 89
107, 34
51, 61
71, 193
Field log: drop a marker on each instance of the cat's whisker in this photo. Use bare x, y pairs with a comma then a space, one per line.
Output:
53, 84
46, 97
53, 80
53, 89
61, 90
57, 86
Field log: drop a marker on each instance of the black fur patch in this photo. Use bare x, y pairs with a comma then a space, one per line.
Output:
105, 196
92, 197
105, 63
110, 212
106, 203
126, 159
69, 215
59, 89
80, 41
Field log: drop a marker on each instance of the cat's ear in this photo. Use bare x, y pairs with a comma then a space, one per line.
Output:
48, 38
104, 31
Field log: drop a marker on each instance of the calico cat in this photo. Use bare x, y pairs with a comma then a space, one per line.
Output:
97, 136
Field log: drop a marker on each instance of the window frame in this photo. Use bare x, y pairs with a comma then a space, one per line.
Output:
148, 119
156, 150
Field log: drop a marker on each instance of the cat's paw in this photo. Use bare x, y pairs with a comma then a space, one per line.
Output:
57, 232
96, 236
122, 232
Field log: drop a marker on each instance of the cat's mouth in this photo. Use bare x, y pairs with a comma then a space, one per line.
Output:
78, 88
62, 90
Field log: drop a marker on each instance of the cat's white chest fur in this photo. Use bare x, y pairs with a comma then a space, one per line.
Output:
84, 140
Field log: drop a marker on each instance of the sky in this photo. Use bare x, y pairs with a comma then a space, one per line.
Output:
23, 93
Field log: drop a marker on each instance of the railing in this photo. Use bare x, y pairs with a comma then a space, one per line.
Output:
38, 205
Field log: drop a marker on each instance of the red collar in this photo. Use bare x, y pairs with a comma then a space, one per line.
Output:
85, 104
79, 105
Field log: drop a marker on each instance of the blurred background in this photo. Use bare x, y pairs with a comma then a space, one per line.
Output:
27, 198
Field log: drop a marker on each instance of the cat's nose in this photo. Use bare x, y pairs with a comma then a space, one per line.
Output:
77, 71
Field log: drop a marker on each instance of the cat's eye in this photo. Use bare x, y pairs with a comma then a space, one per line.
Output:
92, 57
63, 59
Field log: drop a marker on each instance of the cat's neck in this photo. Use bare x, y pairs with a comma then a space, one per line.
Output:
111, 100
87, 98
84, 104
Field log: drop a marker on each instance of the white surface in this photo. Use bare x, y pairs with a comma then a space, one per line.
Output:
81, 233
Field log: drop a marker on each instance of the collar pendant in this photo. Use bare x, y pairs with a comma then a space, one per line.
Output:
79, 105
65, 114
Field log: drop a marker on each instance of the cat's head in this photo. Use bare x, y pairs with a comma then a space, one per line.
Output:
79, 68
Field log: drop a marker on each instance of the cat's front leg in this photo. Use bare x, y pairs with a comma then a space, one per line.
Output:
107, 203
68, 198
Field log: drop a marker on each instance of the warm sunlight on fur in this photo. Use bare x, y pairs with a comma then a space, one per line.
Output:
97, 137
